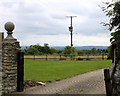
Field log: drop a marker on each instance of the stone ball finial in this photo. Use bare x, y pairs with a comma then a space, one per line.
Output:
9, 26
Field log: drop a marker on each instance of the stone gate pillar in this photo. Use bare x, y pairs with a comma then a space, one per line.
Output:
116, 75
10, 47
1, 39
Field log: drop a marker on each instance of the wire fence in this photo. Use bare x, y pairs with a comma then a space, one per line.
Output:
67, 57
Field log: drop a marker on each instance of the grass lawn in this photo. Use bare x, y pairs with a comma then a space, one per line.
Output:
48, 71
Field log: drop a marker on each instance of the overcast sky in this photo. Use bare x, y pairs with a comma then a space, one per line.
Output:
44, 21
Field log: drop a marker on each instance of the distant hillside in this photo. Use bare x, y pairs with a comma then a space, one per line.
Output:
23, 47
81, 47
90, 47
76, 47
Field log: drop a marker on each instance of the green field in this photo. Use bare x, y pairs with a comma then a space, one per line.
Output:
48, 71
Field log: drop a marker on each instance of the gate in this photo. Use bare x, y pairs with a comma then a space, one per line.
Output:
20, 71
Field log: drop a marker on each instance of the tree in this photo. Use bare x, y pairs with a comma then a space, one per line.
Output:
109, 55
69, 50
81, 52
112, 10
31, 50
37, 49
93, 50
53, 51
46, 49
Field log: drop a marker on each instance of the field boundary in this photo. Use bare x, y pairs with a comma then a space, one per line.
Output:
67, 57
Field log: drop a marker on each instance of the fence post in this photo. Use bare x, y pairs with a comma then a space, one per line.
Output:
107, 82
46, 57
87, 56
20, 71
102, 56
34, 56
60, 57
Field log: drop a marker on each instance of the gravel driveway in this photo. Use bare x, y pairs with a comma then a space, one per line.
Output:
88, 83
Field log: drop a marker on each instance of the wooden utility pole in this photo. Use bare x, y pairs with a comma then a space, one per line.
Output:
71, 28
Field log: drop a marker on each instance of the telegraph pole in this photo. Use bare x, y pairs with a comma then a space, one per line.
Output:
71, 28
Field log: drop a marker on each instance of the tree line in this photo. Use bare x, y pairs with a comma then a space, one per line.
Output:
41, 50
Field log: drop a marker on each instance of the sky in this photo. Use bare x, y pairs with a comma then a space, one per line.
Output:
45, 21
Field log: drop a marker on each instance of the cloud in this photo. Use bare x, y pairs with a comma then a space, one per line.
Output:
40, 18
64, 40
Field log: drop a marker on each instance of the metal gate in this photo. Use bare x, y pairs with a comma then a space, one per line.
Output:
20, 71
